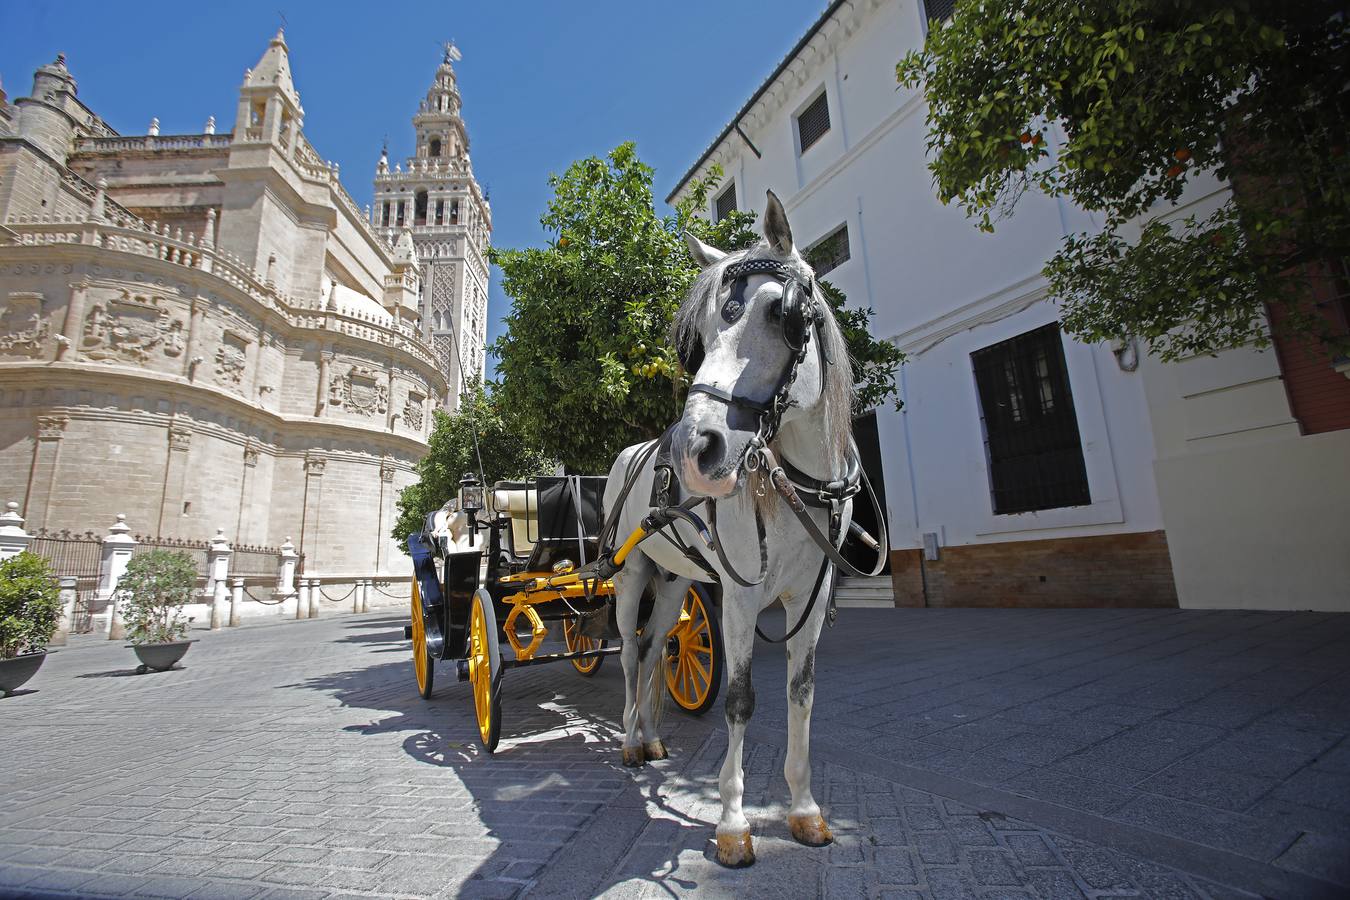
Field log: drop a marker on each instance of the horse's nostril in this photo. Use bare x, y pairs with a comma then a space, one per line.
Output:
707, 448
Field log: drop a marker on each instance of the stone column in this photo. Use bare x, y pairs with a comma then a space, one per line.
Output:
209, 241
175, 474
42, 476
286, 570
73, 328
13, 539
302, 600
69, 593
315, 595
236, 599
117, 549
325, 376
193, 358
217, 577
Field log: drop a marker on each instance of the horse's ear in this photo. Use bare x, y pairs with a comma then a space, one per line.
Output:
704, 254
776, 226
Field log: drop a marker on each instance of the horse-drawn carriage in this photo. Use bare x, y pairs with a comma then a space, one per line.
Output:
527, 570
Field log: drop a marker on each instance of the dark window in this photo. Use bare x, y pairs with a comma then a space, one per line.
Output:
386, 215
829, 252
813, 122
420, 208
434, 148
454, 212
440, 211
938, 9
399, 221
1031, 431
726, 202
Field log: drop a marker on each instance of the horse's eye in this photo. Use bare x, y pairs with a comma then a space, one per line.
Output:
776, 310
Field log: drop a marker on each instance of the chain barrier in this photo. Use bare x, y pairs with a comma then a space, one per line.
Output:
263, 601
378, 590
319, 588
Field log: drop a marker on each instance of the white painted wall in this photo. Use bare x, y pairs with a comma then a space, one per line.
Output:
940, 288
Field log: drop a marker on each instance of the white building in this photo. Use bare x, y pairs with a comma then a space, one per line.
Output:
1025, 467
451, 222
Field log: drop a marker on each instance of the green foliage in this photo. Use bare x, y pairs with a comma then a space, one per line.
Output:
586, 361
30, 604
506, 452
1141, 96
152, 594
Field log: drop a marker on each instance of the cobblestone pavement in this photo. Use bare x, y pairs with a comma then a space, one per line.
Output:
296, 760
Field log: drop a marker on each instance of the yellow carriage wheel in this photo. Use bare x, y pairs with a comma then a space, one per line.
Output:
423, 664
576, 641
694, 654
485, 669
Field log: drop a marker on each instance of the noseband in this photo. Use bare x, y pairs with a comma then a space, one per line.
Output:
799, 311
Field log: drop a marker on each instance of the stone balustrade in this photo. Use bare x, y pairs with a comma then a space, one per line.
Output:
114, 145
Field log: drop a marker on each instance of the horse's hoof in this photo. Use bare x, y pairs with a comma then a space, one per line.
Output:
810, 830
735, 851
632, 757
655, 750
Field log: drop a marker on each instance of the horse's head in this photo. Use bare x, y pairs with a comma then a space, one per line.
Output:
754, 328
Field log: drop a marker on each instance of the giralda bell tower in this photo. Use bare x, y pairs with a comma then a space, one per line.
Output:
438, 198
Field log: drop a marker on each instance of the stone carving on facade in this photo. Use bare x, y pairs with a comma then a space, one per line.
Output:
52, 428
251, 455
132, 328
231, 359
387, 469
314, 465
361, 391
180, 437
22, 327
412, 412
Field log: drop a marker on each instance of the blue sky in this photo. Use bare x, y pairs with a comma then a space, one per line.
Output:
542, 83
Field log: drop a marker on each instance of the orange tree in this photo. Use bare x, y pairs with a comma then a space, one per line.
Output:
1147, 94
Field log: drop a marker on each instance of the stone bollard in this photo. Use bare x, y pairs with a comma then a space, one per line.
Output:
117, 549
236, 600
286, 569
302, 599
13, 539
68, 595
358, 594
365, 595
315, 595
218, 601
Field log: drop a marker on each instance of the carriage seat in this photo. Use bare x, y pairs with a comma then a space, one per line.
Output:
520, 504
570, 514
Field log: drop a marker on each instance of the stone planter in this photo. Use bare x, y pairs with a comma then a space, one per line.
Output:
14, 672
160, 657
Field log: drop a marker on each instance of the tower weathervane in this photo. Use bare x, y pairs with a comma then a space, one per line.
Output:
452, 53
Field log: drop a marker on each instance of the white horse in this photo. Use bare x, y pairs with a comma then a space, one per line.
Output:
748, 328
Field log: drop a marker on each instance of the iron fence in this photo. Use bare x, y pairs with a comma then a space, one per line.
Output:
78, 556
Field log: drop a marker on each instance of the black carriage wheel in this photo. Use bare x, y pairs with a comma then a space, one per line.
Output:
575, 641
485, 670
694, 657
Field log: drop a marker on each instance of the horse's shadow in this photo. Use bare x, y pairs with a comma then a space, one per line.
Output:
557, 767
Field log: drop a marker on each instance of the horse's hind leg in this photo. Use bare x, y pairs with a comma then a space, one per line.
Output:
651, 660
804, 818
629, 583
734, 847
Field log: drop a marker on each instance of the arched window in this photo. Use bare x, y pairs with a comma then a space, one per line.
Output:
434, 148
420, 208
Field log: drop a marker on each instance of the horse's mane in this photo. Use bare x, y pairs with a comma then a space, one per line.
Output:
837, 399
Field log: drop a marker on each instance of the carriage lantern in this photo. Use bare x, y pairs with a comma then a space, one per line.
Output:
471, 501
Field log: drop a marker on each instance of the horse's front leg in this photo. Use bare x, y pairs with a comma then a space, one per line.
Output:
804, 819
629, 583
734, 847
651, 661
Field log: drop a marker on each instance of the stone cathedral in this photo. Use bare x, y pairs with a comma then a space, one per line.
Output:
203, 331
451, 221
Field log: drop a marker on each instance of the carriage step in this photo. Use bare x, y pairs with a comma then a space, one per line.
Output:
865, 593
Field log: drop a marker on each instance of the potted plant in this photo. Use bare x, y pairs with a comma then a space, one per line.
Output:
152, 594
30, 606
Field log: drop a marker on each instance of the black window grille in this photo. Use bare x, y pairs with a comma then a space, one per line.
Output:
813, 122
830, 252
1031, 432
938, 9
726, 203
